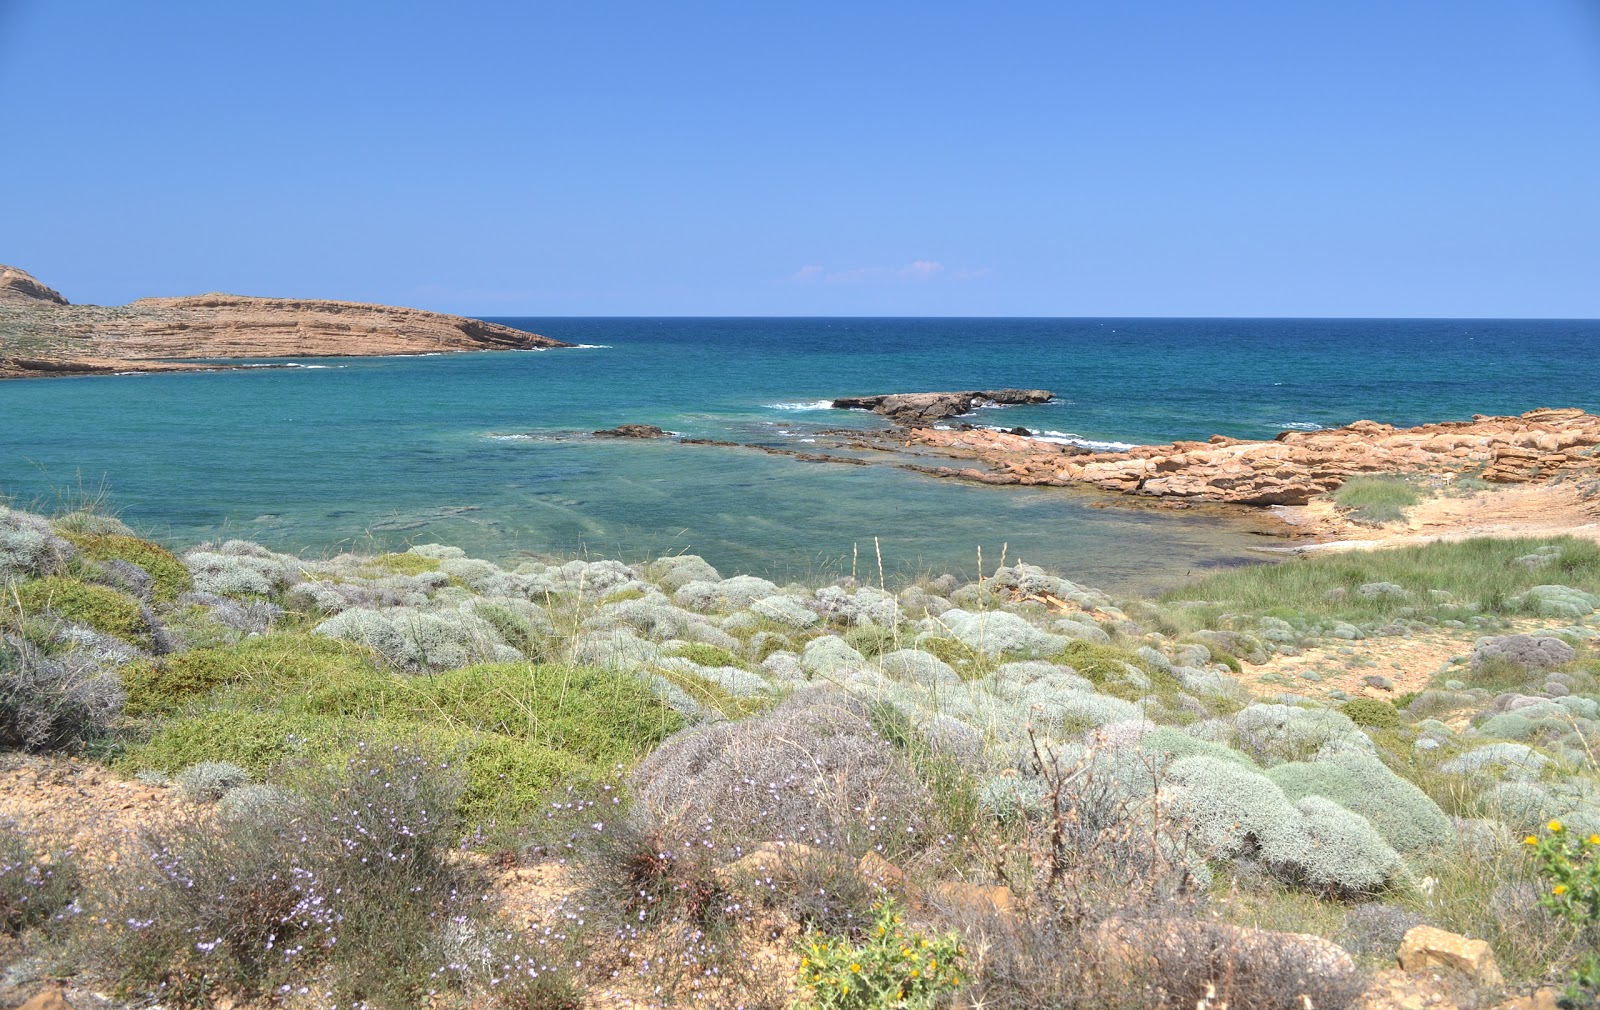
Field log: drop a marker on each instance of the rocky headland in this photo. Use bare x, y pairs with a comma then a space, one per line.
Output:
41, 334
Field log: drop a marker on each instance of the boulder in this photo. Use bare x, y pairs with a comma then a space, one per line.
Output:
632, 431
1426, 948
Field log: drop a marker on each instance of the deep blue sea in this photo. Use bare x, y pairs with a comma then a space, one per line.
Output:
482, 450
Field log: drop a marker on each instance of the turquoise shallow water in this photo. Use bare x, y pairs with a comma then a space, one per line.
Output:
480, 449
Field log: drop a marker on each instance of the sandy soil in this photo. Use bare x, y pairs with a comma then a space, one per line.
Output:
1523, 510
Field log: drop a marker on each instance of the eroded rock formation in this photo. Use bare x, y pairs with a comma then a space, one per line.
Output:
18, 287
1291, 469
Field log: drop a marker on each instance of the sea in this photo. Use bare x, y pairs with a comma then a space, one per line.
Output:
491, 451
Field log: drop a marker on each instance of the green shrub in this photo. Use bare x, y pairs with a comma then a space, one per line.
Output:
1373, 712
1376, 500
101, 608
893, 968
275, 661
1106, 666
404, 564
171, 577
505, 779
518, 727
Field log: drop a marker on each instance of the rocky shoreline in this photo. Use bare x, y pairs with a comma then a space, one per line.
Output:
1291, 469
42, 335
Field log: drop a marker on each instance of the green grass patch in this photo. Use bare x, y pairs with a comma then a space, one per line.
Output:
404, 563
171, 578
273, 662
274, 702
100, 607
1376, 500
1479, 573
506, 778
623, 596
1103, 665
701, 654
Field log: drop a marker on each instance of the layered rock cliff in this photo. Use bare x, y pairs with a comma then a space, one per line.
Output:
40, 334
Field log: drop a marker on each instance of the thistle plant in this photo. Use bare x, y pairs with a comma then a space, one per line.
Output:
1570, 863
895, 968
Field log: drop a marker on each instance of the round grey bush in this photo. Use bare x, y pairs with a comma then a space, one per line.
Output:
813, 770
207, 781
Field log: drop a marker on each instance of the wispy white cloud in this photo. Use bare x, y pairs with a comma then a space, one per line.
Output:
916, 270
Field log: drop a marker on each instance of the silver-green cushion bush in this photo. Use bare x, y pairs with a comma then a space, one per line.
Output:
414, 639
373, 630
1341, 851
207, 781
29, 546
1083, 631
813, 770
918, 667
1235, 812
1277, 733
1401, 812
997, 632
238, 573
829, 655
736, 593
1556, 601
615, 649
511, 613
1166, 744
1505, 760
673, 573
866, 605
785, 610
438, 552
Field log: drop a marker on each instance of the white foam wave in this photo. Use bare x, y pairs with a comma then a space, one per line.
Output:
589, 347
1298, 426
1070, 438
809, 405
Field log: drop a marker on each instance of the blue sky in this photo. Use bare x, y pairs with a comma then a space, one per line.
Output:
1149, 157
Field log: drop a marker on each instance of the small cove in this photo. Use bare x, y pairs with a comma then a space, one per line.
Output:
385, 452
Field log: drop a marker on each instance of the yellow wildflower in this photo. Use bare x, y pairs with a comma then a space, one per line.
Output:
1594, 839
1555, 827
855, 968
1559, 889
1530, 840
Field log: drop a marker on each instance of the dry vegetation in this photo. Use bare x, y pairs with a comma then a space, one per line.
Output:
420, 779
